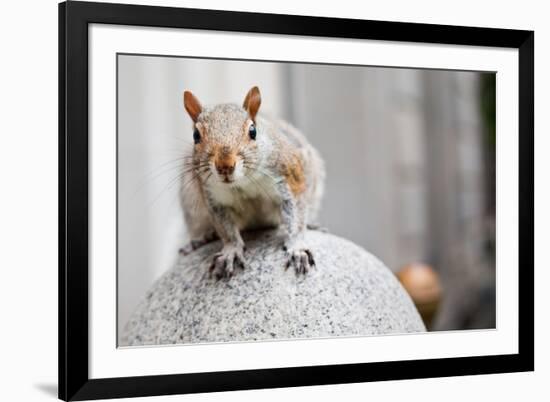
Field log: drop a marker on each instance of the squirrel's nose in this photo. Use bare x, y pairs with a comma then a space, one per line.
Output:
225, 167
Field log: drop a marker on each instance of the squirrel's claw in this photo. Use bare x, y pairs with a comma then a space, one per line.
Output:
226, 261
301, 260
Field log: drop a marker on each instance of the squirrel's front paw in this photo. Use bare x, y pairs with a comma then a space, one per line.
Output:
301, 259
226, 261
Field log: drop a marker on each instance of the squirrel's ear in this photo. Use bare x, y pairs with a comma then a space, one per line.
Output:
192, 105
252, 102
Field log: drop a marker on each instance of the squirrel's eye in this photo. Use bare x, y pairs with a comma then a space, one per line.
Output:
252, 132
196, 136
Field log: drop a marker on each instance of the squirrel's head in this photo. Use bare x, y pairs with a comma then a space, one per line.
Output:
224, 136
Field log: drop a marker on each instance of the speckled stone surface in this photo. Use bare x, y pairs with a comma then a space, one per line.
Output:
349, 293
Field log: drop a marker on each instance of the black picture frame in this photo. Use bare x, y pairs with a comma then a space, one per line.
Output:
74, 18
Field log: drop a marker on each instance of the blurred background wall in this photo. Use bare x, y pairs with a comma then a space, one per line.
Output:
409, 155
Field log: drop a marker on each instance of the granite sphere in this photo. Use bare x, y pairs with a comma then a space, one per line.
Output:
349, 293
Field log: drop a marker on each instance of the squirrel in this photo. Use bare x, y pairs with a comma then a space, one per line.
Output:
248, 172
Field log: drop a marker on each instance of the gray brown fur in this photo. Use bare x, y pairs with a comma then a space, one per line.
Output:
231, 182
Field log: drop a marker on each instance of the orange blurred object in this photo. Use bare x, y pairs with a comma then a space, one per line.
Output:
423, 285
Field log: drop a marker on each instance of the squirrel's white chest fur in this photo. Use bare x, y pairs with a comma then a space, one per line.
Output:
255, 201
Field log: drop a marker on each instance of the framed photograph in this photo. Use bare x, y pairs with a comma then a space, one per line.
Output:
258, 201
